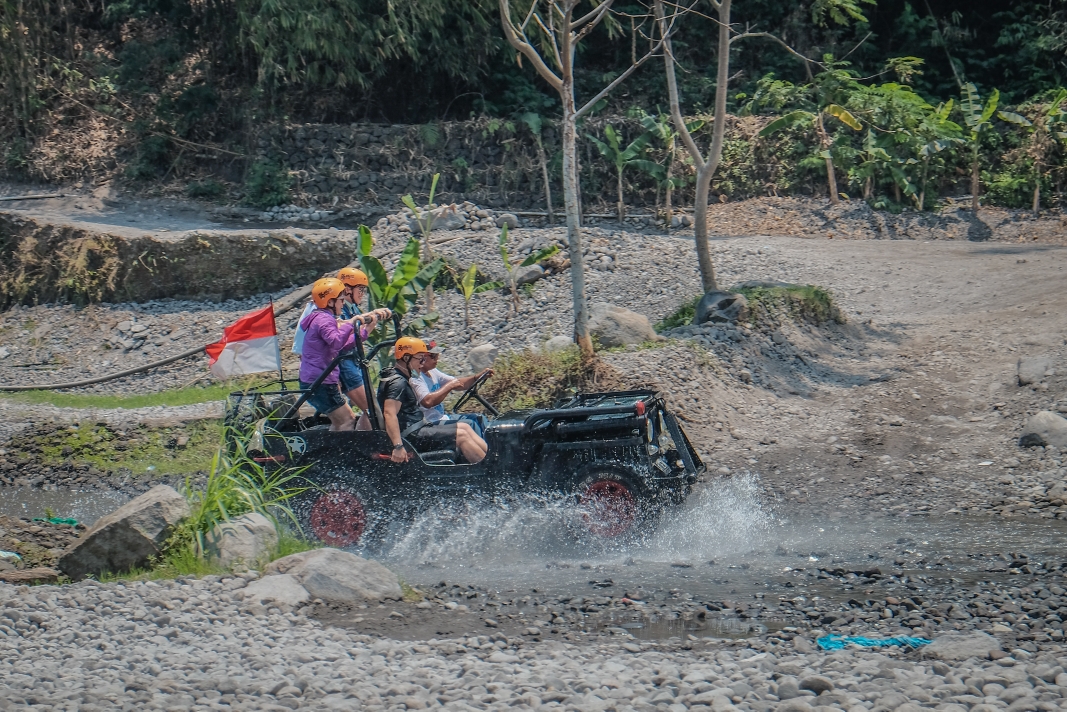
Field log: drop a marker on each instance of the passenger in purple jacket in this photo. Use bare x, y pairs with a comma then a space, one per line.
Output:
326, 337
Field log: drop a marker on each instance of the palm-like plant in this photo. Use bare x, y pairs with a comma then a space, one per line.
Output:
467, 286
534, 122
400, 291
1044, 131
425, 223
613, 151
662, 129
978, 118
828, 88
510, 266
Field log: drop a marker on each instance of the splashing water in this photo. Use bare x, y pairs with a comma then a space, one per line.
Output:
722, 518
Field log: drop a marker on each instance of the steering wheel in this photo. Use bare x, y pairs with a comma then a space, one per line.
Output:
472, 392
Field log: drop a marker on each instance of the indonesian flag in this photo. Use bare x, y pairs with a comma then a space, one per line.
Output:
249, 346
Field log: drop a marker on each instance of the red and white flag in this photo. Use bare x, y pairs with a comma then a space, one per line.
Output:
249, 346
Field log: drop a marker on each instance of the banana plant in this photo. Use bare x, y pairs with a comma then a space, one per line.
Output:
534, 122
1046, 127
613, 151
425, 224
510, 267
815, 120
662, 129
978, 118
936, 134
399, 291
467, 287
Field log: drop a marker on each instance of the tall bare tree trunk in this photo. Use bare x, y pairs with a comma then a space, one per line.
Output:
1037, 189
572, 209
668, 191
976, 184
619, 206
831, 176
706, 171
544, 177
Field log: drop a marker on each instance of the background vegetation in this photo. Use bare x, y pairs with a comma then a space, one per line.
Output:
158, 89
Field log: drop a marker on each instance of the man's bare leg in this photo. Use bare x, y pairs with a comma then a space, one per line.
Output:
342, 419
473, 447
359, 397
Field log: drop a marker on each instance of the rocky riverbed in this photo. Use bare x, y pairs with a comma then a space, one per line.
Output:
865, 478
200, 644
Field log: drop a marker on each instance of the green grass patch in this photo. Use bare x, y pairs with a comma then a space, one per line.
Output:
181, 396
144, 451
807, 303
682, 316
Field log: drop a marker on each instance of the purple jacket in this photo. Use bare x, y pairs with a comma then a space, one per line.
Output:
323, 340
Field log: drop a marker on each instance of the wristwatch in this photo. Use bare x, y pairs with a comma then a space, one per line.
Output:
398, 446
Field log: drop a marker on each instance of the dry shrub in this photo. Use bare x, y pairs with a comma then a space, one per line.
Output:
537, 379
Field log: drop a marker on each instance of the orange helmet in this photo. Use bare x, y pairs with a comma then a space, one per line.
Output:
407, 345
326, 289
353, 277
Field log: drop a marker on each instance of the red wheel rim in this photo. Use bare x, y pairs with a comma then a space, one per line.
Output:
608, 508
338, 518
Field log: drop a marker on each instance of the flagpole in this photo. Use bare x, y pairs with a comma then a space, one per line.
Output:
281, 374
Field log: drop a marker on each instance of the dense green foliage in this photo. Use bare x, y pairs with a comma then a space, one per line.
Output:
186, 84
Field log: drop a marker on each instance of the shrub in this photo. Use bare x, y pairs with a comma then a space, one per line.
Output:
682, 316
267, 184
807, 303
204, 189
536, 379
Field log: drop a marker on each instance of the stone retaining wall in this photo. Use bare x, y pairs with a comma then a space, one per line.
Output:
41, 262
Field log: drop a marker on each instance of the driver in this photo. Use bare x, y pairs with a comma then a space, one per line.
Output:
404, 418
432, 386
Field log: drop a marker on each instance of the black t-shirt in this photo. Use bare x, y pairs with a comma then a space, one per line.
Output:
393, 385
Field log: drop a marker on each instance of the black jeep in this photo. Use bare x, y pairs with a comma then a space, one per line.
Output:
620, 459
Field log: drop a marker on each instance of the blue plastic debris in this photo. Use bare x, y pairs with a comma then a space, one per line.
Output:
10, 555
837, 642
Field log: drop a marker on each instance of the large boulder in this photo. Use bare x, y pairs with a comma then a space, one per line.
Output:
41, 574
279, 588
509, 219
528, 274
338, 576
128, 536
1045, 428
721, 307
446, 217
558, 343
482, 357
247, 539
1033, 369
961, 646
614, 326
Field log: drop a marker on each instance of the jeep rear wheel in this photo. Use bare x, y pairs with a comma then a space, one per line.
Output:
608, 508
337, 514
338, 518
611, 506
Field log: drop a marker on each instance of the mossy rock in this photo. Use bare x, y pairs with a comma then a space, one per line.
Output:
808, 303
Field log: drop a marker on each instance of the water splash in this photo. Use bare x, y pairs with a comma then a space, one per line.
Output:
722, 518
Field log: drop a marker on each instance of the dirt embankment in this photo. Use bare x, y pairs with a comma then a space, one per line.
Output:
45, 261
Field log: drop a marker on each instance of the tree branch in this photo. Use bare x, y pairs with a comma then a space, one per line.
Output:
672, 90
618, 80
525, 48
596, 13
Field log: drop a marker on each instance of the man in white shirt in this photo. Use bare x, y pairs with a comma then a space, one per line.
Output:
432, 386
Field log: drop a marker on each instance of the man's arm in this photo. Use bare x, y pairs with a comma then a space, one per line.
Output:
428, 399
464, 383
392, 429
